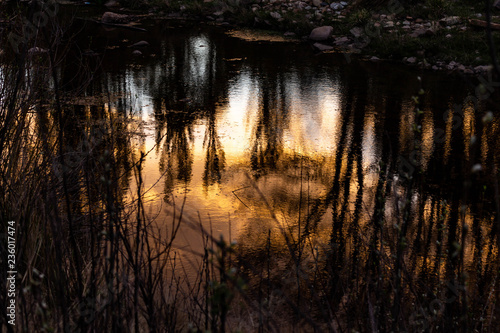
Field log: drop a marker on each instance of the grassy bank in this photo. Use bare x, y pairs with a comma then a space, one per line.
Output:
435, 32
460, 42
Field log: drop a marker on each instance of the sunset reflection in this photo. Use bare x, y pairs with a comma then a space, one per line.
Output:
257, 153
218, 180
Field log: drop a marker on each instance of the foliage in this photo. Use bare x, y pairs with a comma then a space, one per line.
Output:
92, 261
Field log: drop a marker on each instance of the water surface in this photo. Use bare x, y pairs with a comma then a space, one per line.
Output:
350, 168
248, 129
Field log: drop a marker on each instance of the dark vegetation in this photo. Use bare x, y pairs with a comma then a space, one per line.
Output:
89, 259
468, 47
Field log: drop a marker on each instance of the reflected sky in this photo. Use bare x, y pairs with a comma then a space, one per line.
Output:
259, 136
339, 181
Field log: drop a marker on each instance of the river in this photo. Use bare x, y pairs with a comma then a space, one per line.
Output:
342, 162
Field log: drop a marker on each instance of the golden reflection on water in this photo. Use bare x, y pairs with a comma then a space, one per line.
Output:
306, 140
427, 138
290, 159
259, 151
468, 128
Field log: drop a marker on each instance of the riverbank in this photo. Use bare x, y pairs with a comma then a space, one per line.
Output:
435, 35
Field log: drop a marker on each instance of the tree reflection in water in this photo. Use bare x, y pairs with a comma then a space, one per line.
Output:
349, 200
